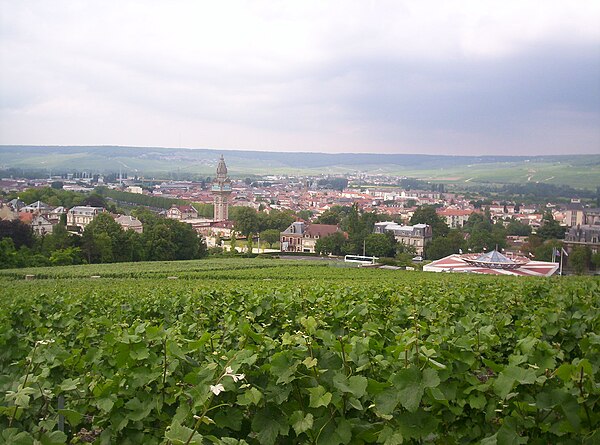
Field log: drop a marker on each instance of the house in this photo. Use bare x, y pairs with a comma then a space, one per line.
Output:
585, 235
41, 225
182, 212
7, 212
417, 236
302, 237
37, 208
81, 216
455, 218
130, 223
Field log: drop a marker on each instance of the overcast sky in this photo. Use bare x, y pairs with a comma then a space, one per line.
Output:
440, 77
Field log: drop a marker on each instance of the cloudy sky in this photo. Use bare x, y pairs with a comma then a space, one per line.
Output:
460, 77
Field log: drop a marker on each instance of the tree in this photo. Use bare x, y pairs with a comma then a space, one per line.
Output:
233, 242
306, 215
245, 220
57, 185
333, 244
379, 245
580, 258
8, 253
20, 233
543, 252
329, 217
444, 246
270, 236
104, 241
596, 260
517, 228
428, 215
550, 228
95, 200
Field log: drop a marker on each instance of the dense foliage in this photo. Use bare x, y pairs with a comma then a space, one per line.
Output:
103, 241
265, 352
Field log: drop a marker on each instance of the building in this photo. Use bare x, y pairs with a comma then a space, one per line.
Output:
584, 235
302, 237
455, 218
130, 223
37, 208
41, 225
492, 263
7, 212
417, 236
221, 190
81, 216
182, 213
134, 189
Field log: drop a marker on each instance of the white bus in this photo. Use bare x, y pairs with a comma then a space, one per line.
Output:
360, 259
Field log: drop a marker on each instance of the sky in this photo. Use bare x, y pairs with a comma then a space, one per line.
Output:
437, 77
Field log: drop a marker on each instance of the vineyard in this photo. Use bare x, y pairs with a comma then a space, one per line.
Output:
270, 352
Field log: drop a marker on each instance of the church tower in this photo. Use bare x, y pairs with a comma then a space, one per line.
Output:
221, 189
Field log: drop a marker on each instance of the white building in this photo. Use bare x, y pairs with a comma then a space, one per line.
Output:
81, 216
417, 236
130, 223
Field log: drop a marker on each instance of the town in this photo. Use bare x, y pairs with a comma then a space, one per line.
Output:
400, 220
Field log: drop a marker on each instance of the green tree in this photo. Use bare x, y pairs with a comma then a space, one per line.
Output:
330, 216
334, 244
579, 259
233, 242
306, 215
444, 246
543, 251
379, 245
270, 236
517, 228
245, 220
427, 215
104, 240
20, 233
550, 228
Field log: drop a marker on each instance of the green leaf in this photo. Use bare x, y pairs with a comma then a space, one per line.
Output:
411, 383
387, 436
249, 397
511, 374
179, 434
266, 424
138, 410
12, 436
355, 385
105, 404
283, 367
69, 385
301, 422
54, 438
386, 401
73, 417
319, 397
310, 362
310, 324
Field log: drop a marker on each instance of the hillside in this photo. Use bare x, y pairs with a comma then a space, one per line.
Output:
581, 171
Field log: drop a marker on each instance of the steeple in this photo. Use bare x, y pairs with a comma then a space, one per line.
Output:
221, 169
221, 189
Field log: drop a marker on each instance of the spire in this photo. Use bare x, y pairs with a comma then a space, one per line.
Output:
221, 168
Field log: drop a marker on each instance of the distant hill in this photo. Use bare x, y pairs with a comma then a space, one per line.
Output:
575, 170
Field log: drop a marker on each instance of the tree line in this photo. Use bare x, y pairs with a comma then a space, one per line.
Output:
103, 241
